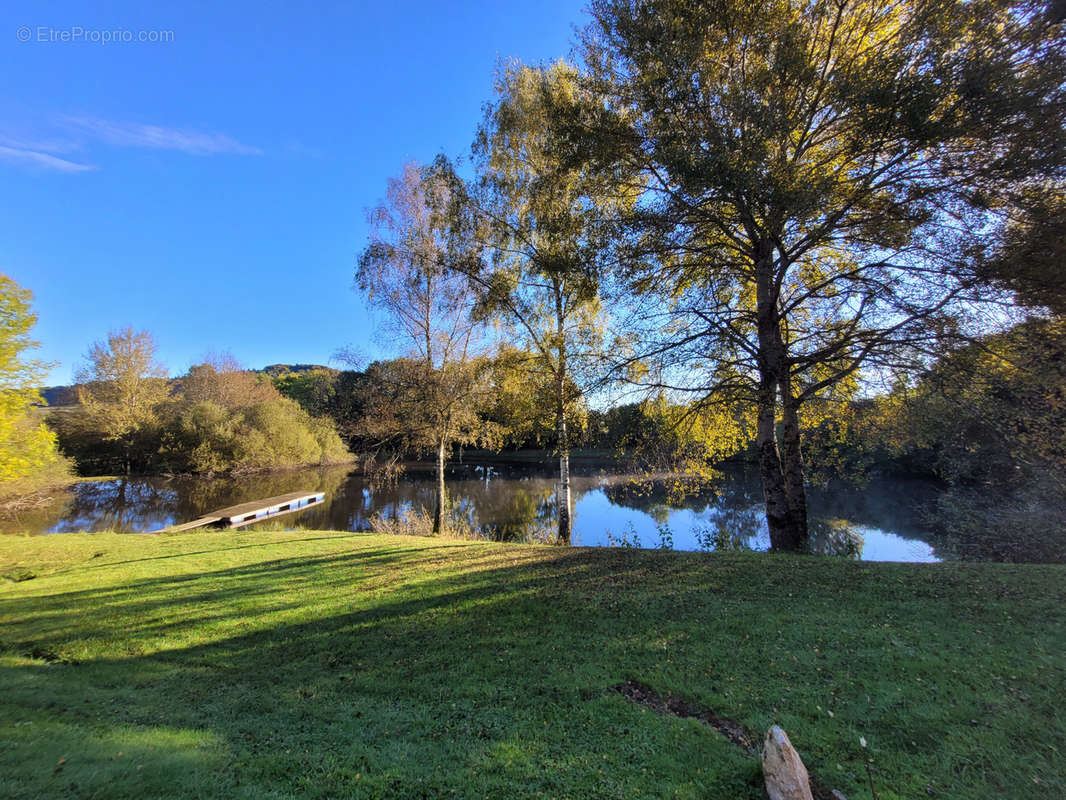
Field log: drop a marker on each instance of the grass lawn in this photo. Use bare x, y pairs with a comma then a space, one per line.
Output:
311, 664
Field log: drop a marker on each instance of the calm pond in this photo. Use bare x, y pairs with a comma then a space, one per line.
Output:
515, 502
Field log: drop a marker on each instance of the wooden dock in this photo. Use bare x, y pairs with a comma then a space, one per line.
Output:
255, 511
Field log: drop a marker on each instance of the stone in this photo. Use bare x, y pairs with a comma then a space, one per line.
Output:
786, 777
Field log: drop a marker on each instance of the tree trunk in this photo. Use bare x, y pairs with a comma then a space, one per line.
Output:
786, 533
562, 496
442, 498
778, 518
563, 489
792, 461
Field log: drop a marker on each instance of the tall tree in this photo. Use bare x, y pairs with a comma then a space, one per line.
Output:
120, 389
425, 400
27, 447
815, 177
546, 244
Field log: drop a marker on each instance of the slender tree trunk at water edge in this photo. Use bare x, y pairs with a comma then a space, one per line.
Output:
562, 443
562, 501
442, 498
563, 491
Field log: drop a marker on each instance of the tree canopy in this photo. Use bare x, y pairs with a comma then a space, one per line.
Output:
425, 400
814, 178
544, 235
28, 456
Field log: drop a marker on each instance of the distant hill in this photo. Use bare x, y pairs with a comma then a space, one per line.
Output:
59, 395
276, 370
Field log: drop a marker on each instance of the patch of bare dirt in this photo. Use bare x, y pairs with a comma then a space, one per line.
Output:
679, 707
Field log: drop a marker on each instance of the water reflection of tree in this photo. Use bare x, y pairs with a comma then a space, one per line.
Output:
734, 528
658, 498
510, 510
519, 511
894, 505
732, 511
43, 516
124, 505
836, 537
494, 501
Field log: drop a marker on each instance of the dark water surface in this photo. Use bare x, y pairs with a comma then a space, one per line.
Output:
515, 502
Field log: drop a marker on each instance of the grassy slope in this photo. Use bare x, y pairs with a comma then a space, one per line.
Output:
336, 665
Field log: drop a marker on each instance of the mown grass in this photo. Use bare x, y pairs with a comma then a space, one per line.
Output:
314, 664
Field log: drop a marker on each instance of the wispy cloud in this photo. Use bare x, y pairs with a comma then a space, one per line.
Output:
131, 134
35, 158
58, 143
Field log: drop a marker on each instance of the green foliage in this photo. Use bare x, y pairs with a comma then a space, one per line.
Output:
991, 412
334, 394
1029, 255
542, 224
217, 418
29, 460
206, 438
657, 434
314, 390
522, 402
987, 419
263, 430
121, 392
836, 444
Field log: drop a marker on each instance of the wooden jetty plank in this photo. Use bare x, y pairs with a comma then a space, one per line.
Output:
272, 515
188, 526
253, 511
256, 506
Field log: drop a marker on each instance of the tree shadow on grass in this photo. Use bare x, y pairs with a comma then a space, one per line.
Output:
407, 671
486, 682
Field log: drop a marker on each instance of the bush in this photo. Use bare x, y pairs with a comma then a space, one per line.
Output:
272, 434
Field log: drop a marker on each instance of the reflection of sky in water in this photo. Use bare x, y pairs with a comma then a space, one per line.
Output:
510, 502
881, 545
618, 523
117, 505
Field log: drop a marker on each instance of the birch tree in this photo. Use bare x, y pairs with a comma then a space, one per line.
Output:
545, 245
426, 399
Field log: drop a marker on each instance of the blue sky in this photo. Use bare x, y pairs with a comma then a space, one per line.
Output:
210, 186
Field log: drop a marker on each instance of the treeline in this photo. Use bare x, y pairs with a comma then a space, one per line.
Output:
513, 411
130, 418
